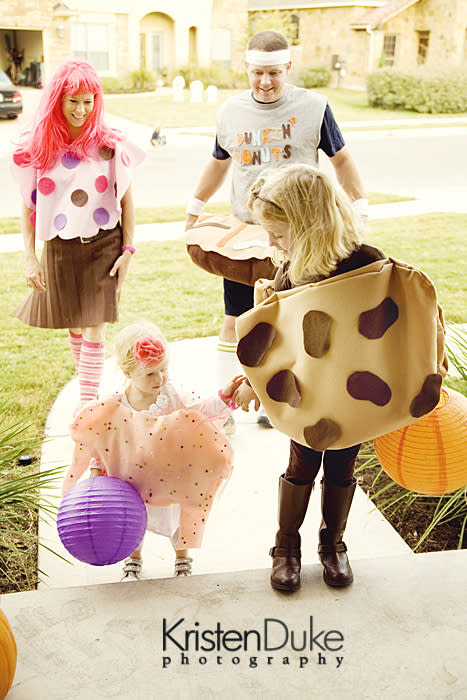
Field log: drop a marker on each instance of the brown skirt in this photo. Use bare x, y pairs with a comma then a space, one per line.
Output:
80, 293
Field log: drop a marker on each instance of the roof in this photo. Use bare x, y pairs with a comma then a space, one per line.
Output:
378, 16
259, 5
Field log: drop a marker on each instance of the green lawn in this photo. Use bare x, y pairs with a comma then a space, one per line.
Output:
148, 108
165, 286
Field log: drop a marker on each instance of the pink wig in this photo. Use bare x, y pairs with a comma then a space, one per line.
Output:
50, 133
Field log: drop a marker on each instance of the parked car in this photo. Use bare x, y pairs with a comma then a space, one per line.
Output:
11, 102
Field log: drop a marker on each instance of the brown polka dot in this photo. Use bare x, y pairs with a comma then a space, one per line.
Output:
284, 387
322, 434
254, 345
79, 198
106, 153
366, 386
316, 333
375, 322
428, 397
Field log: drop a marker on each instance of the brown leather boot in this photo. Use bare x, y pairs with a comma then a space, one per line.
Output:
293, 503
335, 506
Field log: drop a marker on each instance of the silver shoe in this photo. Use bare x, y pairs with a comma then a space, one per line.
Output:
183, 566
229, 426
132, 569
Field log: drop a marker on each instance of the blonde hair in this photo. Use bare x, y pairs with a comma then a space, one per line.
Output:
125, 340
323, 226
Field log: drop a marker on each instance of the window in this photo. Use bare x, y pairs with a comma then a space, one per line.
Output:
91, 42
221, 48
294, 30
423, 41
389, 49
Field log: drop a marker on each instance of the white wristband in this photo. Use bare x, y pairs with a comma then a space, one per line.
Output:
361, 206
195, 207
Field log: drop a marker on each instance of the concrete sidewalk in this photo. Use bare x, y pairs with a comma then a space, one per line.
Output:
248, 504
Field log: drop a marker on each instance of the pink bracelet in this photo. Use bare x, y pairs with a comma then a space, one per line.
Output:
225, 399
130, 248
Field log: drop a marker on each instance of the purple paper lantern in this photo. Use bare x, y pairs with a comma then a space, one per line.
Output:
101, 520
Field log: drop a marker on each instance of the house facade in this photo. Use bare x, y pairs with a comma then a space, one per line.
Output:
118, 36
355, 38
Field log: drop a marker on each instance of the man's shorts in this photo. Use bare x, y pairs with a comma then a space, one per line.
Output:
238, 298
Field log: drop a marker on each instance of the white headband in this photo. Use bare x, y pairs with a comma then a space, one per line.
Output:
267, 58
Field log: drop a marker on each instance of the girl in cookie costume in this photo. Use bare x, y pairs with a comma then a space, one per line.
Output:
74, 175
172, 451
313, 225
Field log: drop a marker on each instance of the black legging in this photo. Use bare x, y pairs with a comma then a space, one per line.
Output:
304, 464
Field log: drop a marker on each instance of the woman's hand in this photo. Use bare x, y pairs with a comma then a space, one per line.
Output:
244, 395
120, 268
35, 276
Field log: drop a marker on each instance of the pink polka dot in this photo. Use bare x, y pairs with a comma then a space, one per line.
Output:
126, 159
46, 185
32, 218
20, 158
60, 222
101, 183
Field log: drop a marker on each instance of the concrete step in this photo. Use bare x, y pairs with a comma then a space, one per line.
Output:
398, 632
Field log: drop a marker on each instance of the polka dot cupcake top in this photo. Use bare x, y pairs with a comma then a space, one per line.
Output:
77, 197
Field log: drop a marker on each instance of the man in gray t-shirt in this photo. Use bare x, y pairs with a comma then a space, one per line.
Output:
272, 124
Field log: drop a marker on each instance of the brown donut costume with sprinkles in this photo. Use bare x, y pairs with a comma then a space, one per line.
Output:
226, 246
346, 359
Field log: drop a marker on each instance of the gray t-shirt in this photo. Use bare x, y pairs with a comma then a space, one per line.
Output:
259, 136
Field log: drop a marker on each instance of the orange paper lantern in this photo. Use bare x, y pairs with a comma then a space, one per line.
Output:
7, 656
429, 456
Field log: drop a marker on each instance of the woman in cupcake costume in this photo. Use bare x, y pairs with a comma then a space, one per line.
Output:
74, 174
172, 451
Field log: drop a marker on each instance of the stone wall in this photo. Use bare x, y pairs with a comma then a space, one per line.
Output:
233, 15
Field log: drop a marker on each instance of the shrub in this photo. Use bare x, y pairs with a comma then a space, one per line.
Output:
213, 75
315, 77
422, 90
111, 84
142, 79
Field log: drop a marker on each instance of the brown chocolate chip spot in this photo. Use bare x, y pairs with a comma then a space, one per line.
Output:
79, 198
375, 322
106, 153
254, 345
284, 387
366, 386
316, 333
428, 397
322, 434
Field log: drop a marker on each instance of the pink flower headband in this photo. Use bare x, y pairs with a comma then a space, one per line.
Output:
148, 351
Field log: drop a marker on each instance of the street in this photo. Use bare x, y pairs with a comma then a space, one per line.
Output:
417, 162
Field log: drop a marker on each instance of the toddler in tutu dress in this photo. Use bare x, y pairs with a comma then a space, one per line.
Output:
172, 451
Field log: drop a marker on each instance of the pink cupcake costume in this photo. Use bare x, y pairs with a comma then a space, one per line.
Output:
173, 454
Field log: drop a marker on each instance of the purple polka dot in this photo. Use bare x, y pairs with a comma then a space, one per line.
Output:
101, 183
46, 185
60, 222
34, 196
70, 161
101, 216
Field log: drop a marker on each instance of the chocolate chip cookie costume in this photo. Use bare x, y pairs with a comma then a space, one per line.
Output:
348, 358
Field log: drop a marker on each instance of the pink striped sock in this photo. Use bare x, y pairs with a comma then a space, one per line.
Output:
75, 344
91, 366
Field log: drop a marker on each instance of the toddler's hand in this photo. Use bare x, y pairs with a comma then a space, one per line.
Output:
244, 395
233, 385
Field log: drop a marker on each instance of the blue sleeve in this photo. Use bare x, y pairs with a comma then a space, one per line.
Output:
220, 153
331, 139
